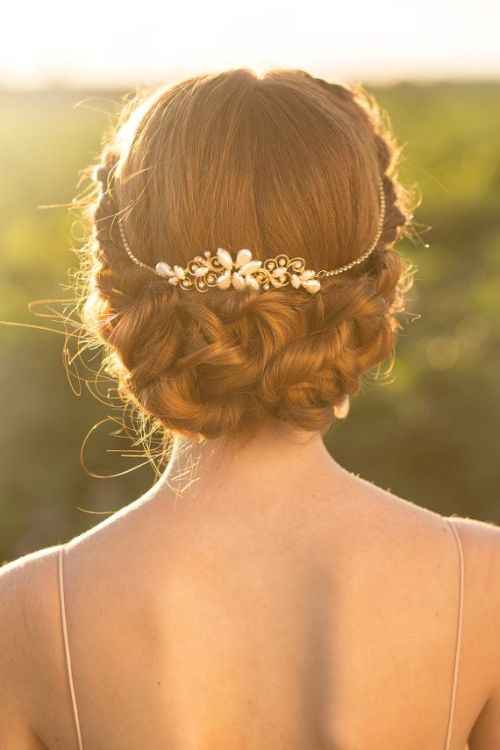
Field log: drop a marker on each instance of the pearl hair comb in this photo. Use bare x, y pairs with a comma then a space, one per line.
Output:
203, 272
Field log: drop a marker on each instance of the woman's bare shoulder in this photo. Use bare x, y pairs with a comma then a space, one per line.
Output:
26, 584
481, 537
480, 541
29, 627
480, 546
399, 517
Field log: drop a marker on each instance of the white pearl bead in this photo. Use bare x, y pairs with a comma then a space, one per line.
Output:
173, 280
312, 286
179, 272
224, 280
306, 275
250, 267
238, 281
244, 256
278, 272
252, 282
295, 281
163, 269
201, 270
225, 258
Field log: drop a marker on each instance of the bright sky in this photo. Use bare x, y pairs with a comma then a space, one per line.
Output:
102, 42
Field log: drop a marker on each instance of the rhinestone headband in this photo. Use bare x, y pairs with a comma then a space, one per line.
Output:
203, 272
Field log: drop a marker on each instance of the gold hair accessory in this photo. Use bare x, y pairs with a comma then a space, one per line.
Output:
203, 272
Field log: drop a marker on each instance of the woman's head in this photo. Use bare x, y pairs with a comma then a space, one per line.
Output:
283, 163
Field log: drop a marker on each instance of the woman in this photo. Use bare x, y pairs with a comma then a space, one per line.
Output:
242, 276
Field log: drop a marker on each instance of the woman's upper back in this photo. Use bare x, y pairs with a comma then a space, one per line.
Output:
326, 623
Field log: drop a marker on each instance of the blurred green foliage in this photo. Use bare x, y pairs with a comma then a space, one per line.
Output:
429, 434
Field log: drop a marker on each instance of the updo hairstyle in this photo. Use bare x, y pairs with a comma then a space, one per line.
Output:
278, 163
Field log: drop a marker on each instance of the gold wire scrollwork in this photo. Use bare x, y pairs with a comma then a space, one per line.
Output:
203, 273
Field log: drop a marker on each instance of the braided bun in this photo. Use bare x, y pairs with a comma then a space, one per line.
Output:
281, 163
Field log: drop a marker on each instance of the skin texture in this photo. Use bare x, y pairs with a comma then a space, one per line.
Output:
275, 601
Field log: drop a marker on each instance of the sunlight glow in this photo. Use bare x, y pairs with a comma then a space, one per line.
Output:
110, 43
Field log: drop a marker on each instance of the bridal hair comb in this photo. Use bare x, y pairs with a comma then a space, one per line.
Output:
203, 272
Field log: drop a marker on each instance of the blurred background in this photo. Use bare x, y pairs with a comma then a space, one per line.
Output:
429, 434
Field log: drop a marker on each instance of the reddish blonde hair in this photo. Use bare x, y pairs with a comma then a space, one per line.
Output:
278, 163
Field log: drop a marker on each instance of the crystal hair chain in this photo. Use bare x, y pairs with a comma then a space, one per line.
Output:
203, 272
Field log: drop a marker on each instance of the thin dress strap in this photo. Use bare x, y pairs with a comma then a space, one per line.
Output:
67, 654
458, 631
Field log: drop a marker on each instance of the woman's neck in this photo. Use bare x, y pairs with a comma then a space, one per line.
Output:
276, 455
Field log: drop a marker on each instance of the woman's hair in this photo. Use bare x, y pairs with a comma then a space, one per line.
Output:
278, 163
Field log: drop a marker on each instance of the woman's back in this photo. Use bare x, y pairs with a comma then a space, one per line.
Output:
308, 618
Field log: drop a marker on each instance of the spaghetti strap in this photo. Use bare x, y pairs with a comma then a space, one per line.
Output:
458, 632
67, 655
